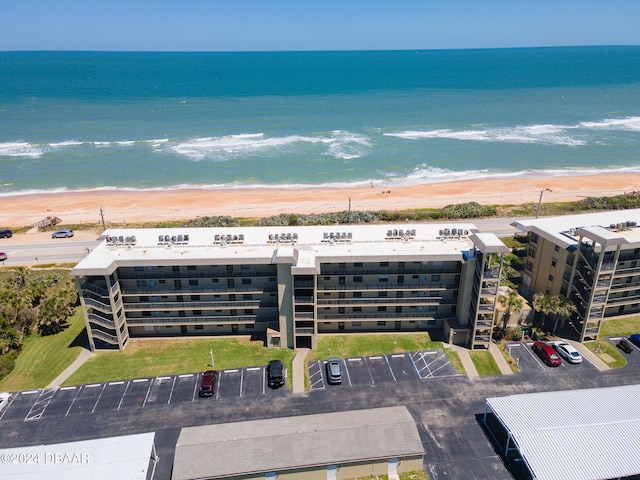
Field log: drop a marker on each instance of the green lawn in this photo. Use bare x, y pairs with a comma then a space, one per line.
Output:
43, 358
154, 357
484, 362
607, 351
620, 326
346, 346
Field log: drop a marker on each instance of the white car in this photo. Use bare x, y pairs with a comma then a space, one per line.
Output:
568, 352
5, 398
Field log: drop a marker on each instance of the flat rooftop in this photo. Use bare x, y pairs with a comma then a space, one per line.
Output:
298, 245
279, 444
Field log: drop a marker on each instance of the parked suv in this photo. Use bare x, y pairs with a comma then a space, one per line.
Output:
6, 234
334, 371
208, 383
275, 374
547, 354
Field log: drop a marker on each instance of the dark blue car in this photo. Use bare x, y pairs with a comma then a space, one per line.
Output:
635, 339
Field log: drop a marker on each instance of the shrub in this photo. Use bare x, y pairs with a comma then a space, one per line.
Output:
7, 363
468, 210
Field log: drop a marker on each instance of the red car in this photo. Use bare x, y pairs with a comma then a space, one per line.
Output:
208, 383
547, 354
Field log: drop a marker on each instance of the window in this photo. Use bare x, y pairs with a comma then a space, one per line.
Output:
357, 309
357, 294
197, 313
139, 269
193, 282
381, 323
191, 267
246, 281
175, 269
383, 278
357, 279
553, 262
556, 248
244, 266
384, 264
198, 327
382, 309
357, 264
141, 283
551, 278
356, 324
341, 310
382, 293
195, 297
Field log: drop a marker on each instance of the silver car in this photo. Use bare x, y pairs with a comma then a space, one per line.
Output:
568, 352
5, 398
67, 233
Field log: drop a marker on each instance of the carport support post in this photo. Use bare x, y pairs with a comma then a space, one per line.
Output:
211, 354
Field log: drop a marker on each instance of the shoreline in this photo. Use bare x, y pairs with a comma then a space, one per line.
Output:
126, 206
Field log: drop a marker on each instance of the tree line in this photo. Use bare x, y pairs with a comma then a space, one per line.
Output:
34, 302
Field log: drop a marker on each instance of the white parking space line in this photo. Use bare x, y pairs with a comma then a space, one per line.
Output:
369, 370
68, 388
195, 388
316, 377
31, 392
73, 401
140, 380
375, 358
171, 392
354, 359
263, 382
146, 397
123, 394
93, 385
218, 386
116, 383
99, 397
163, 378
235, 370
186, 375
390, 369
241, 380
346, 370
397, 355
253, 369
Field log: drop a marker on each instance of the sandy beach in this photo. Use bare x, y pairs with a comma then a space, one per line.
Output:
121, 207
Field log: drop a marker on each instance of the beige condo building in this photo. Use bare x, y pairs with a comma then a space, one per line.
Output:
592, 259
287, 285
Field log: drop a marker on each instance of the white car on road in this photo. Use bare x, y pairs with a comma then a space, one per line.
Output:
568, 352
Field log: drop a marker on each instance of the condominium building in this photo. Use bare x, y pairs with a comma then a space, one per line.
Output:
592, 259
287, 285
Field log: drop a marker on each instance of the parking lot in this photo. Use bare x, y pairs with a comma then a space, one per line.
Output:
32, 405
632, 358
527, 360
380, 369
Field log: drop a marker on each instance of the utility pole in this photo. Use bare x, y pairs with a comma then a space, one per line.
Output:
102, 217
349, 210
540, 200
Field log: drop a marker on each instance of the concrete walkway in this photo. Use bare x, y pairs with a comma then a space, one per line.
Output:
504, 367
298, 369
590, 356
77, 363
465, 358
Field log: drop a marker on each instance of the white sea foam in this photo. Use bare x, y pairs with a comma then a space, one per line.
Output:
631, 124
20, 149
533, 134
66, 143
339, 144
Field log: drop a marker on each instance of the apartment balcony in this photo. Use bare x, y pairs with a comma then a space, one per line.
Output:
303, 316
391, 270
103, 292
348, 302
105, 321
303, 299
388, 316
221, 274
197, 320
402, 287
187, 290
304, 331
152, 306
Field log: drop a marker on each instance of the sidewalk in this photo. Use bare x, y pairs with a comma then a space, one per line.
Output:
298, 369
470, 368
77, 363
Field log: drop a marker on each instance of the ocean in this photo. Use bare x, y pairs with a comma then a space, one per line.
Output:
78, 121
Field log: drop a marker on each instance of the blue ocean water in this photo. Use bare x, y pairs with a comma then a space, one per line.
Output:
105, 120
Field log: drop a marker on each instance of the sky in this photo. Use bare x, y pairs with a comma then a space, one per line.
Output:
275, 25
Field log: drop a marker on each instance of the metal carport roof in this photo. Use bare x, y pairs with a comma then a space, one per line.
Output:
574, 434
122, 458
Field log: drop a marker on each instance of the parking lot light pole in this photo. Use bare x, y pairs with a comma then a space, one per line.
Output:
211, 355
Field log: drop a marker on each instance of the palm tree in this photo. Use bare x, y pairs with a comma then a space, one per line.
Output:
542, 304
563, 308
511, 303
